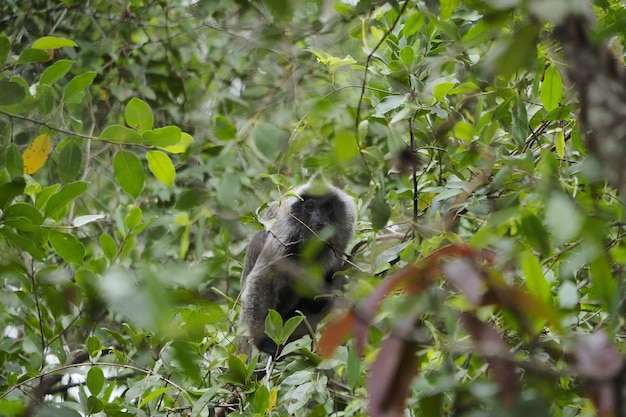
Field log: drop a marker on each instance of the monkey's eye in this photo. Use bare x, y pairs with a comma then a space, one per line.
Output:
328, 207
309, 205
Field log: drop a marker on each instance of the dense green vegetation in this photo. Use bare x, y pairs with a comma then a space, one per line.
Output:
140, 139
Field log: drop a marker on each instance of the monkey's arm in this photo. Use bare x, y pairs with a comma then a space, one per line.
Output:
257, 297
255, 247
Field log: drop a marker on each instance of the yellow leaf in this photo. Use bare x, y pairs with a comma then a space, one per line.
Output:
36, 154
560, 144
272, 403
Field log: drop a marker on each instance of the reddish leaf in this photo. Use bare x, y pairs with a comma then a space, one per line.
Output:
334, 333
489, 343
465, 276
393, 371
602, 394
597, 357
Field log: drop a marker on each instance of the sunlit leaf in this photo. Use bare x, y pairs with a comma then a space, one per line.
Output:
163, 136
185, 140
551, 88
53, 42
162, 167
447, 8
139, 115
121, 134
535, 280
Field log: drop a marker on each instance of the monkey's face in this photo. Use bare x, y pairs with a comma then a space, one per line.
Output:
316, 213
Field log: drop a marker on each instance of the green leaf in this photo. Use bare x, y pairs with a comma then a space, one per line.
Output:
559, 144
290, 326
30, 56
24, 210
67, 246
464, 131
94, 405
70, 162
563, 218
46, 99
380, 212
121, 134
604, 284
93, 345
64, 196
5, 48
520, 122
185, 140
389, 103
128, 172
229, 188
14, 162
139, 115
223, 128
407, 55
261, 400
413, 23
75, 89
154, 394
133, 218
10, 93
535, 233
551, 88
10, 190
55, 71
28, 242
353, 366
236, 373
52, 42
162, 137
162, 167
441, 90
345, 146
519, 53
535, 280
95, 379
108, 246
274, 326
281, 9
447, 8
267, 139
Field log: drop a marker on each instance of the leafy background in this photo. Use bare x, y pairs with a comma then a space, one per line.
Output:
139, 139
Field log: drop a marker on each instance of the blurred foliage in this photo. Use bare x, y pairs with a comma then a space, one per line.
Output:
138, 140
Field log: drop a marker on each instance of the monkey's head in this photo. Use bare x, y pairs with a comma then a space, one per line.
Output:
322, 210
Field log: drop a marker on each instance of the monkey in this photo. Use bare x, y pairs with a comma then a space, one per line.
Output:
290, 267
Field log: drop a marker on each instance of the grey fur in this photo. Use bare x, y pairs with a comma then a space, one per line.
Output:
275, 262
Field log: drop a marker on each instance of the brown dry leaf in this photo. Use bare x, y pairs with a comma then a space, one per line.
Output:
489, 343
463, 273
37, 153
334, 333
393, 371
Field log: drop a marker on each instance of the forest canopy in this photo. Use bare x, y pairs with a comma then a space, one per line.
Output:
482, 141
